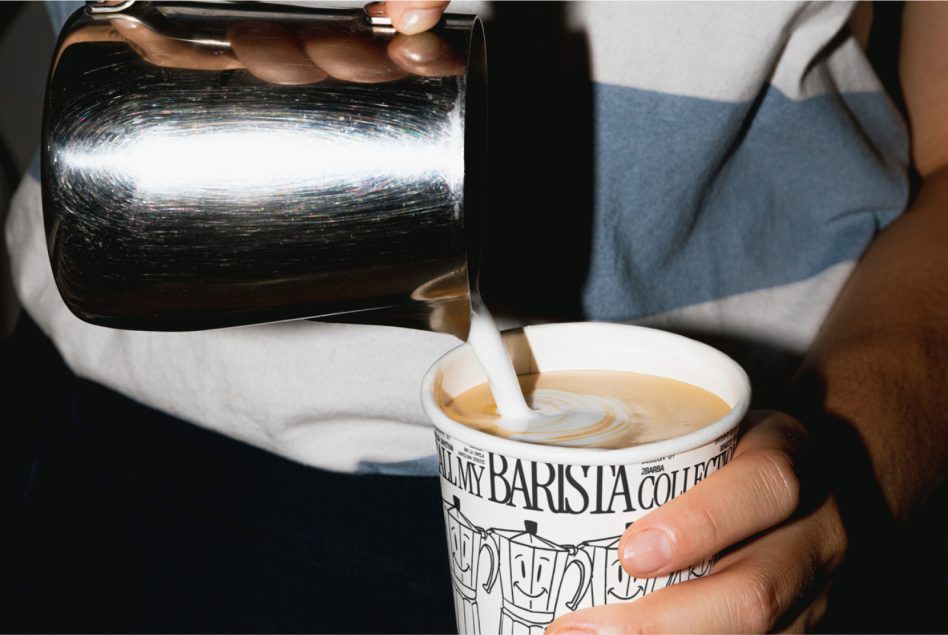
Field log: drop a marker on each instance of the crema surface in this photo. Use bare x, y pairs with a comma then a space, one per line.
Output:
594, 408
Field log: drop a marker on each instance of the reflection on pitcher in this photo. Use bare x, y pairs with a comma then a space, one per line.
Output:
465, 544
532, 571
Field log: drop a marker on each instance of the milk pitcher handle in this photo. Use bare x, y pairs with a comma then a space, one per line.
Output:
581, 558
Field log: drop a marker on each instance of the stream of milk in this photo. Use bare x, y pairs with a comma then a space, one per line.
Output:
557, 409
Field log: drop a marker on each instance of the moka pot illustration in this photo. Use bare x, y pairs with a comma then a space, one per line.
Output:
610, 583
466, 541
532, 570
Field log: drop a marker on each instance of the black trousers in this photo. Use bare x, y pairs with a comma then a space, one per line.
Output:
126, 519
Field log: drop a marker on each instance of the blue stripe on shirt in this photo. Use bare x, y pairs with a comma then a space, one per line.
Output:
699, 199
60, 10
425, 466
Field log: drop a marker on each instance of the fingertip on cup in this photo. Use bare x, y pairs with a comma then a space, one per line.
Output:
646, 552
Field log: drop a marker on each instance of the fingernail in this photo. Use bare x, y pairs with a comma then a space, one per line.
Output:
124, 23
647, 551
418, 20
424, 48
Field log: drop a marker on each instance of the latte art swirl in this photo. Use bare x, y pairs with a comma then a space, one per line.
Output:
574, 419
593, 409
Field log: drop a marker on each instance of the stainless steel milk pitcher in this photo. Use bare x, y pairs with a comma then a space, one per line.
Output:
210, 165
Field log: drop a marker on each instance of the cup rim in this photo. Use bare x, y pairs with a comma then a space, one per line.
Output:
587, 456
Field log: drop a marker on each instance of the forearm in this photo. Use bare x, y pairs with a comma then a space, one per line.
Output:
880, 362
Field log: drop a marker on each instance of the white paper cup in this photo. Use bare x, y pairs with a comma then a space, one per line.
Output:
533, 530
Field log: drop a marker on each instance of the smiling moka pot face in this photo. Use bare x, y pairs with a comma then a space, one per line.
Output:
465, 545
532, 569
185, 189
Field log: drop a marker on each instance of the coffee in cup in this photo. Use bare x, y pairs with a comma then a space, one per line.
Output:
630, 409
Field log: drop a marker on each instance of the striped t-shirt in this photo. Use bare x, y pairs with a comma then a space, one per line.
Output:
738, 157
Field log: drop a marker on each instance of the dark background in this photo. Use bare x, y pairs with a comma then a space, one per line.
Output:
26, 43
900, 591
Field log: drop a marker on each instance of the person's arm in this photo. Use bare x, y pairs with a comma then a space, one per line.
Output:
882, 356
872, 392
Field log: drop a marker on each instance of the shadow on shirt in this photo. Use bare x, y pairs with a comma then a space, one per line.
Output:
540, 193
